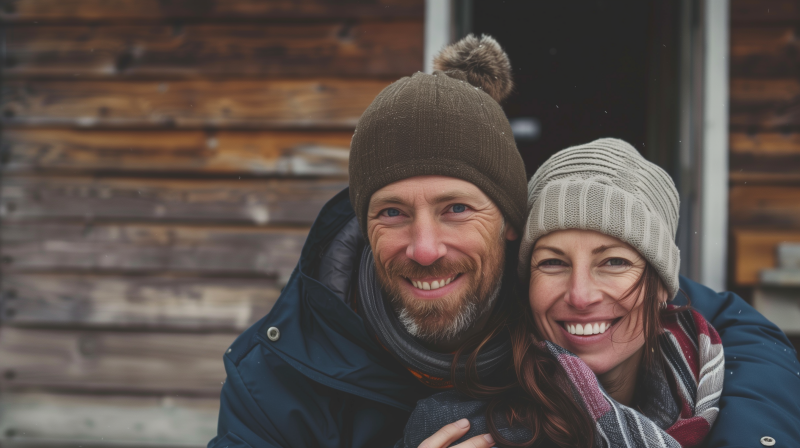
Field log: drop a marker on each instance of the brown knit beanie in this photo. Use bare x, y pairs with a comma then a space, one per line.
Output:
448, 124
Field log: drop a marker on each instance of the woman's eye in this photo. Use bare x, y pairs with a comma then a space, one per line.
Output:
617, 262
392, 212
459, 208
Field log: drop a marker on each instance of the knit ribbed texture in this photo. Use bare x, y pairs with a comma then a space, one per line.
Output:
437, 124
608, 187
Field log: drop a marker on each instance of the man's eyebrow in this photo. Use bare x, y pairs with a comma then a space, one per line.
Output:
551, 249
386, 200
399, 200
601, 249
450, 196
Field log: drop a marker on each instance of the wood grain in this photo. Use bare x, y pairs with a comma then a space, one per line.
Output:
765, 105
764, 157
107, 361
756, 250
180, 152
764, 52
151, 249
764, 90
343, 48
777, 207
71, 11
71, 420
163, 302
766, 144
764, 11
299, 103
259, 202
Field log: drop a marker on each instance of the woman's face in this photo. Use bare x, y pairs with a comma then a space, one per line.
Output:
577, 280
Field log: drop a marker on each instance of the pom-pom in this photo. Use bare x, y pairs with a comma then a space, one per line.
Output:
483, 62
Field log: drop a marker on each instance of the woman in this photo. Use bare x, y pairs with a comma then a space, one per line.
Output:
618, 366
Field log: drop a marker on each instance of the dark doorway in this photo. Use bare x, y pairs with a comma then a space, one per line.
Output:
580, 67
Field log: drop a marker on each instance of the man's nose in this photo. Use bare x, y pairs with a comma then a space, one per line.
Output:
426, 245
582, 292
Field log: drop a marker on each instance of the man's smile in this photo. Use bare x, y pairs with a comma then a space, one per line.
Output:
428, 284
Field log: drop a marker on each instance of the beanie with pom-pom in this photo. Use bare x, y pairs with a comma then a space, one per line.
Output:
448, 123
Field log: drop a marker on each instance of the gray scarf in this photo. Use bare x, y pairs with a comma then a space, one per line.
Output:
386, 326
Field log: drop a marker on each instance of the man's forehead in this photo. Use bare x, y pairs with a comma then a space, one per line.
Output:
432, 189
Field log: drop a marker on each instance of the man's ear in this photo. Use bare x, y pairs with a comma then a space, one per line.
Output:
511, 234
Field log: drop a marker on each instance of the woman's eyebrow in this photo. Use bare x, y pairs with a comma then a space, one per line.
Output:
601, 249
550, 248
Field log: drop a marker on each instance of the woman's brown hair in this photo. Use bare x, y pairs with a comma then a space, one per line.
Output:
539, 395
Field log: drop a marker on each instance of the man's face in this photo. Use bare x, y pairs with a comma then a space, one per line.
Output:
439, 247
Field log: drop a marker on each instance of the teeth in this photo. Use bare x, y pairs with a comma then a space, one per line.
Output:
587, 329
436, 284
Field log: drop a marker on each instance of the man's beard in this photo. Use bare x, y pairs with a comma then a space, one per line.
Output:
448, 317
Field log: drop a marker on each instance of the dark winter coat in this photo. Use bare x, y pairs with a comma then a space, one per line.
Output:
324, 382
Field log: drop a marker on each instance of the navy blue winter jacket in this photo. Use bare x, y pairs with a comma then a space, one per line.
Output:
324, 382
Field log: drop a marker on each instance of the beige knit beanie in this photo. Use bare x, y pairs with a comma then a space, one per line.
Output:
448, 124
608, 187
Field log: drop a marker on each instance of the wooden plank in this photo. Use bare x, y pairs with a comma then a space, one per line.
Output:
71, 420
766, 105
281, 103
259, 202
764, 90
764, 157
756, 250
113, 361
765, 144
231, 251
758, 205
765, 117
248, 153
764, 11
71, 11
764, 51
361, 49
163, 302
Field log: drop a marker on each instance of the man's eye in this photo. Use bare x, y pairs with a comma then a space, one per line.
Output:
392, 212
552, 262
459, 208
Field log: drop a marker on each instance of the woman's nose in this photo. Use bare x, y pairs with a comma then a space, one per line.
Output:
426, 244
582, 292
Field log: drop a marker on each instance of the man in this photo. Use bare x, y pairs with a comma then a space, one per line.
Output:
408, 264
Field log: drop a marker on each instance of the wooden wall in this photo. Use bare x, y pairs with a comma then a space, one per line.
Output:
764, 133
162, 161
764, 151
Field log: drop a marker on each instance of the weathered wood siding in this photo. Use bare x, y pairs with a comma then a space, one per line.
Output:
764, 134
161, 164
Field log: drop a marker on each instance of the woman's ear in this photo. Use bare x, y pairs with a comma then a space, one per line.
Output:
663, 298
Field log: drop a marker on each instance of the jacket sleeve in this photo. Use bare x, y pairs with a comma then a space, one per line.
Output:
761, 394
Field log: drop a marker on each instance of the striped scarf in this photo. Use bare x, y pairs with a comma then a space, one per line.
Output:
693, 354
